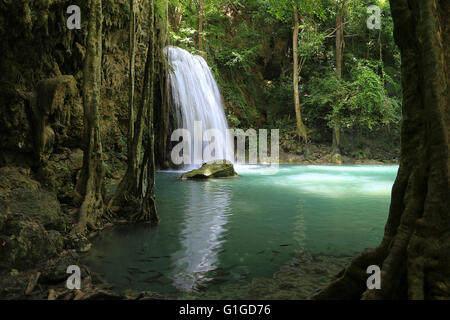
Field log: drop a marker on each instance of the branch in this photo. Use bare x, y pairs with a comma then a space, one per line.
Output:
333, 34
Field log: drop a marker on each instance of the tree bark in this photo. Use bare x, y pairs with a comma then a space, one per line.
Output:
300, 125
162, 109
131, 192
147, 212
414, 254
91, 184
132, 44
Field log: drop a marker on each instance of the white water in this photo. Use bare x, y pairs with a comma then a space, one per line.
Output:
196, 97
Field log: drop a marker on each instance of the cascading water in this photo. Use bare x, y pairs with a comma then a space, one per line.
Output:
197, 99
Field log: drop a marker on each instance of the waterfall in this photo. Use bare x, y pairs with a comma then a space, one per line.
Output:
196, 97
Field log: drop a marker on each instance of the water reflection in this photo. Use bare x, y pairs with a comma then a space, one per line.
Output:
299, 234
203, 234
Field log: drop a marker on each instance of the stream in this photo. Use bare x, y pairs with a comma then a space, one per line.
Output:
253, 235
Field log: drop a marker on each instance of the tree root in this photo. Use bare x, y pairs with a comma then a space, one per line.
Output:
147, 213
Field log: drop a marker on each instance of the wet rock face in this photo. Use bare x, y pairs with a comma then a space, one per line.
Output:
41, 74
59, 173
31, 221
27, 242
213, 169
57, 116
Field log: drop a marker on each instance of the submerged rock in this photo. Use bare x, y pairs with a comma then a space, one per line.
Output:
212, 169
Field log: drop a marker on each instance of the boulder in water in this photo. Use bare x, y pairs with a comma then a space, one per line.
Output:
212, 169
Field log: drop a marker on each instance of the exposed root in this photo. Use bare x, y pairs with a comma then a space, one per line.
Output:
147, 213
352, 284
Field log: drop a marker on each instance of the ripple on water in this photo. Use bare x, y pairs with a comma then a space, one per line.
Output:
249, 233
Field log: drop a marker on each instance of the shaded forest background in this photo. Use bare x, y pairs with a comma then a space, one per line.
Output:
249, 45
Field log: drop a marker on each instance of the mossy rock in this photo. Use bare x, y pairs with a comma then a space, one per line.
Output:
336, 159
59, 173
213, 169
40, 206
26, 243
22, 197
31, 220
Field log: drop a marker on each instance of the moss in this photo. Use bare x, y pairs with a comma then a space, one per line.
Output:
29, 243
31, 220
213, 169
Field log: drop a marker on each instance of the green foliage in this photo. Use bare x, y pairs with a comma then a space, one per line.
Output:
278, 94
360, 102
282, 9
14, 272
183, 38
248, 44
311, 41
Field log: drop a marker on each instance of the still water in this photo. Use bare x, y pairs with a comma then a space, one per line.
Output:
224, 232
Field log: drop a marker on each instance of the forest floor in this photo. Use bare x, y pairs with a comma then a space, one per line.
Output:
325, 159
320, 154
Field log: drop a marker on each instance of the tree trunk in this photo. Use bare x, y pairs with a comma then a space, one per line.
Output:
162, 109
300, 125
414, 253
336, 148
147, 212
340, 44
129, 196
200, 26
132, 43
91, 185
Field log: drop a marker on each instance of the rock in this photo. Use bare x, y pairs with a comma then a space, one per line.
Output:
31, 220
78, 242
213, 169
56, 115
16, 178
59, 173
55, 270
41, 206
28, 243
336, 159
12, 285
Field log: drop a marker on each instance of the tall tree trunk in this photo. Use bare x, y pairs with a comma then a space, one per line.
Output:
340, 44
178, 18
200, 26
162, 109
132, 52
130, 193
147, 210
300, 125
91, 185
414, 253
